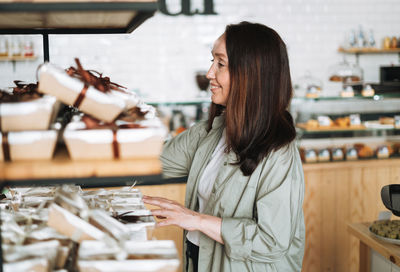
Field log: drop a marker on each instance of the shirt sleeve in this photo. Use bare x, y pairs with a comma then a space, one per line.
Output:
177, 154
279, 200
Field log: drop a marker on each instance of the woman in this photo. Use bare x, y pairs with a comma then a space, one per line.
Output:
245, 187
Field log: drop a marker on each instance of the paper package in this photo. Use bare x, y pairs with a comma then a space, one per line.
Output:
72, 226
27, 145
129, 266
126, 143
28, 115
103, 106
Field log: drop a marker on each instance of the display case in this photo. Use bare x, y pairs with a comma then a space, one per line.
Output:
337, 128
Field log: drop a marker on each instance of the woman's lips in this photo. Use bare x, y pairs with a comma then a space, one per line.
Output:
214, 87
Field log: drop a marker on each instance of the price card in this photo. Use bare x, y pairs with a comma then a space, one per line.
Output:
324, 121
355, 120
397, 121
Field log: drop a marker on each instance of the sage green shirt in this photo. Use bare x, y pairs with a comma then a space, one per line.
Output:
262, 216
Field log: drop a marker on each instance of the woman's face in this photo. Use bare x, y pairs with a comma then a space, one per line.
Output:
218, 74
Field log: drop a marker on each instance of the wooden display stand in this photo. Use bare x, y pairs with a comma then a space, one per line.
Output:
338, 193
375, 255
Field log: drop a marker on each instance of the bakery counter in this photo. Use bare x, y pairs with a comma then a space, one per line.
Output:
375, 254
336, 194
61, 169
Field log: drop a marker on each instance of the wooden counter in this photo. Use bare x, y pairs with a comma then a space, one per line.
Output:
61, 166
338, 193
367, 242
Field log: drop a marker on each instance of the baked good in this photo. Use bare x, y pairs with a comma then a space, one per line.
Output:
312, 123
386, 120
324, 121
342, 122
324, 155
336, 78
351, 154
337, 154
364, 151
386, 228
308, 154
384, 151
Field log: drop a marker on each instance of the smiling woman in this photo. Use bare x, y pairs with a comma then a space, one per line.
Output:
245, 187
219, 73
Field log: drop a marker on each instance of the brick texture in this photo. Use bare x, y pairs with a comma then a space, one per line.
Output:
160, 58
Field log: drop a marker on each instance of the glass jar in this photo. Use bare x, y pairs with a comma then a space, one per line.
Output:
27, 50
15, 49
346, 73
308, 86
3, 46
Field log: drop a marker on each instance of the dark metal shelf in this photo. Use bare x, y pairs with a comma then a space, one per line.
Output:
54, 17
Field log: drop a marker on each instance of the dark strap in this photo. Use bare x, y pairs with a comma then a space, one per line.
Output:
81, 96
192, 252
115, 145
6, 147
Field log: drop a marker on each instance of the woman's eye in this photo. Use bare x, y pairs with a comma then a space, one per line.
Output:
212, 60
220, 64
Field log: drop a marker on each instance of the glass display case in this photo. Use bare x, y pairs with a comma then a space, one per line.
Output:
337, 128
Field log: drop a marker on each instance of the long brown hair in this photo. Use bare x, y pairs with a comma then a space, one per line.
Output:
256, 117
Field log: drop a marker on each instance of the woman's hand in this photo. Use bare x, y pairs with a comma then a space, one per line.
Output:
173, 213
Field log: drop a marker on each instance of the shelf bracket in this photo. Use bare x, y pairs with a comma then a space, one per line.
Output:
46, 56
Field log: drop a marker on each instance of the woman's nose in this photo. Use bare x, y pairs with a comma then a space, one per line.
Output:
210, 74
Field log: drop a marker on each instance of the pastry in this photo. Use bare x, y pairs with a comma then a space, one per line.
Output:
351, 154
337, 154
324, 155
386, 120
312, 124
365, 152
342, 122
324, 121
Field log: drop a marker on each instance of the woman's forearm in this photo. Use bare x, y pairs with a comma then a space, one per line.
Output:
176, 214
211, 226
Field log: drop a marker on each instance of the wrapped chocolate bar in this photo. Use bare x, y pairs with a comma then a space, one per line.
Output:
155, 249
129, 265
125, 140
48, 250
72, 226
103, 221
94, 95
44, 233
31, 265
24, 108
71, 200
25, 216
27, 145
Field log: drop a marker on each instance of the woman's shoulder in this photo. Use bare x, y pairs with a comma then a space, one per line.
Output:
284, 155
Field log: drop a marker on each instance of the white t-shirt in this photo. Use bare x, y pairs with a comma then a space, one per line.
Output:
207, 180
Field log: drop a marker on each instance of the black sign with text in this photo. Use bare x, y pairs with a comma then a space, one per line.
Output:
186, 9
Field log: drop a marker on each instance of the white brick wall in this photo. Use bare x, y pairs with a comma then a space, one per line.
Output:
160, 58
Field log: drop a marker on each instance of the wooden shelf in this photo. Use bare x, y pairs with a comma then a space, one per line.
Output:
369, 51
62, 167
73, 16
341, 165
307, 128
17, 58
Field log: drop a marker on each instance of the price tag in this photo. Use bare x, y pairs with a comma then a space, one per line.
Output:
397, 121
324, 121
355, 120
